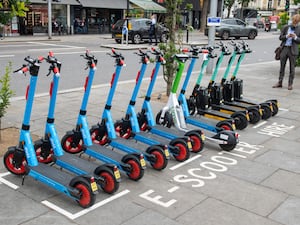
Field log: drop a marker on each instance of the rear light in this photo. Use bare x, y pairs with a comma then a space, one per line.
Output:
129, 26
92, 179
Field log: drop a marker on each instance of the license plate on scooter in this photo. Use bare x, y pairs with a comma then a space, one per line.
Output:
167, 154
94, 187
117, 174
143, 162
203, 137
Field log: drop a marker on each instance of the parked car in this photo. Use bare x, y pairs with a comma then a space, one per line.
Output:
138, 30
233, 27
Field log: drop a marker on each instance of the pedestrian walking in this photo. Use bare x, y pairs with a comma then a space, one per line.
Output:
152, 30
290, 39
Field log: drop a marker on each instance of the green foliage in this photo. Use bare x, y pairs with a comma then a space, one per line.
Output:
284, 19
5, 92
13, 8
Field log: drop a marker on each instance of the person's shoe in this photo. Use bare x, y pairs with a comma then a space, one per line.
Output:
277, 85
290, 87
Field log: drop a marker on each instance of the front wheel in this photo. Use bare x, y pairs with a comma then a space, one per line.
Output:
136, 39
167, 120
87, 198
14, 164
225, 35
71, 144
191, 102
137, 172
99, 137
110, 184
44, 152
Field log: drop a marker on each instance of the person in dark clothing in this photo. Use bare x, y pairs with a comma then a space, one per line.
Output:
152, 30
290, 38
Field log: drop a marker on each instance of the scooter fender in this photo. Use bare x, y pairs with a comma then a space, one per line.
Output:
228, 136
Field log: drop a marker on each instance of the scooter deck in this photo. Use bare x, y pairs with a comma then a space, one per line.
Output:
241, 104
214, 114
230, 108
79, 163
167, 132
128, 145
151, 137
101, 152
201, 123
53, 173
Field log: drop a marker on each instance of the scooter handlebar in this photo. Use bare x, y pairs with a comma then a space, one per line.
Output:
30, 62
91, 59
144, 56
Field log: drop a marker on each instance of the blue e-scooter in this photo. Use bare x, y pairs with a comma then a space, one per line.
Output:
128, 127
106, 175
195, 138
223, 132
22, 160
79, 139
104, 132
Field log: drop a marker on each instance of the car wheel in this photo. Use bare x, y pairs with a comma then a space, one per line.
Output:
118, 41
225, 35
164, 38
136, 39
237, 38
252, 34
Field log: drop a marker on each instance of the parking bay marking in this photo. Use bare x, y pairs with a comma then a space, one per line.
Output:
84, 211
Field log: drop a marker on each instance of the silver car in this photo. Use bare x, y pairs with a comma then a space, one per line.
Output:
233, 27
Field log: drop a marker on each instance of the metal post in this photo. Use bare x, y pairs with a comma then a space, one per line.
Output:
49, 20
212, 31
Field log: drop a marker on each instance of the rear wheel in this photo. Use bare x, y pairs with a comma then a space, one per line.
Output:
87, 198
275, 108
227, 147
252, 34
197, 143
267, 113
241, 121
110, 184
184, 152
161, 161
137, 171
254, 116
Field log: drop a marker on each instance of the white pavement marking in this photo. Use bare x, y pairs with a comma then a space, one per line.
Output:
6, 182
259, 125
49, 44
173, 189
52, 49
84, 211
185, 162
6, 56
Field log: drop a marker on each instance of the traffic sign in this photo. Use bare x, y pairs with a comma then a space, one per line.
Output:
213, 21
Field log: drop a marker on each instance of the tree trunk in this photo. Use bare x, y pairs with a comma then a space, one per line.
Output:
204, 15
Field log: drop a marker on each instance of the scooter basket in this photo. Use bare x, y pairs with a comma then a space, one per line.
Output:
228, 91
238, 88
202, 98
216, 94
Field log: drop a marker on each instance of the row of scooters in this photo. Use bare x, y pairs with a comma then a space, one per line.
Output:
127, 145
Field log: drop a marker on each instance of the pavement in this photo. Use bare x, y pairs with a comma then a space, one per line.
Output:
256, 183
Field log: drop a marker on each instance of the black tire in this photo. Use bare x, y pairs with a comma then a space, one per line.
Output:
136, 38
191, 105
275, 108
225, 35
168, 120
267, 113
197, 143
254, 116
87, 198
252, 34
98, 137
43, 156
137, 172
227, 147
184, 153
241, 121
17, 168
118, 41
71, 145
225, 125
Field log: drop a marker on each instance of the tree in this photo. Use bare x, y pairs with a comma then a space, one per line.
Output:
5, 92
228, 5
244, 3
204, 15
11, 8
